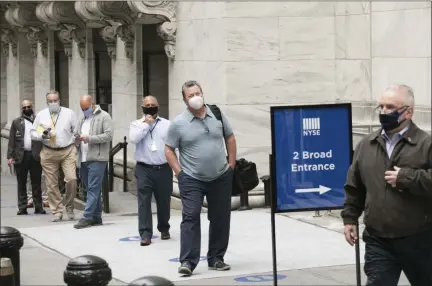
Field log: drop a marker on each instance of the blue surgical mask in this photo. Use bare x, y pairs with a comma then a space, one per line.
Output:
88, 112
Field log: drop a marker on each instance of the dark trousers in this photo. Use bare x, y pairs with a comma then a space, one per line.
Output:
218, 193
157, 181
29, 164
386, 258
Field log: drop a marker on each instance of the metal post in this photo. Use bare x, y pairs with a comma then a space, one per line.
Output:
151, 281
125, 165
87, 270
111, 172
11, 242
6, 272
266, 180
244, 201
105, 192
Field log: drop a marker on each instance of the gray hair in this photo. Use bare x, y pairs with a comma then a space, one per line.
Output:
53, 92
190, 83
407, 90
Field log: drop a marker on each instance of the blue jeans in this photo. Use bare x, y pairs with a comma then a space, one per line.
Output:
92, 174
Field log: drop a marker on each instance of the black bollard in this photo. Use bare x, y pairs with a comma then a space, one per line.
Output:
87, 270
151, 281
6, 272
11, 242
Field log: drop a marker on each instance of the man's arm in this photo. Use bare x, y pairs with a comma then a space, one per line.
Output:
106, 136
355, 192
35, 133
138, 130
417, 181
230, 141
172, 142
11, 143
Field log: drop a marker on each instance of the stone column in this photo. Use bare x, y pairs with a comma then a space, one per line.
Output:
20, 74
44, 65
127, 85
3, 83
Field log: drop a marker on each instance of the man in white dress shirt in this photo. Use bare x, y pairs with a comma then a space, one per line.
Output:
54, 126
153, 174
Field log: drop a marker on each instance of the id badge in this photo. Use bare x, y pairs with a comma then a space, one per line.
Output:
153, 147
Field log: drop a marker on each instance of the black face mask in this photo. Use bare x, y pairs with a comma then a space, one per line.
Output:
28, 112
150, 110
390, 121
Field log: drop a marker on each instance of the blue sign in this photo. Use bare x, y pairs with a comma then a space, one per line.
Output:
312, 151
202, 258
135, 238
259, 278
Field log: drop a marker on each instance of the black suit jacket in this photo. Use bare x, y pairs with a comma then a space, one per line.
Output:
16, 142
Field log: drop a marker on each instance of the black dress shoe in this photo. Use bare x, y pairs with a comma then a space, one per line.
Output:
40, 211
22, 212
145, 241
165, 235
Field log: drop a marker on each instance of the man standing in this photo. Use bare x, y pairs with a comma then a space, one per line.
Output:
54, 126
93, 135
390, 179
24, 154
203, 171
153, 174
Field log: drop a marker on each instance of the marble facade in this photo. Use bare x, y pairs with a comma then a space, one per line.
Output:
248, 56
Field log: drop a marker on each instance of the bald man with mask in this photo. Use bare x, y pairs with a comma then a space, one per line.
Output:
153, 174
390, 180
93, 135
24, 154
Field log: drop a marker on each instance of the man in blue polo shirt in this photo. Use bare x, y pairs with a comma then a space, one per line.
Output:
203, 171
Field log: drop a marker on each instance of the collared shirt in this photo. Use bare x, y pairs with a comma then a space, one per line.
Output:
201, 144
85, 130
149, 140
27, 137
393, 140
63, 123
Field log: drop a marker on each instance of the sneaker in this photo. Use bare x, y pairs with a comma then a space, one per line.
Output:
45, 204
96, 221
57, 218
30, 205
83, 223
70, 214
165, 235
185, 269
39, 211
219, 266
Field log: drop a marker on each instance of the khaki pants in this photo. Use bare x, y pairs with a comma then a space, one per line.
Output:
52, 161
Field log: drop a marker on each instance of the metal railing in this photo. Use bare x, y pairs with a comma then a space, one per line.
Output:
113, 152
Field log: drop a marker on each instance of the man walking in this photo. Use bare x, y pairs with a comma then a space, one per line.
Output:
203, 171
93, 135
153, 174
54, 126
24, 154
390, 179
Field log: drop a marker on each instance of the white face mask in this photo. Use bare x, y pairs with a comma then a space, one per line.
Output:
54, 107
196, 102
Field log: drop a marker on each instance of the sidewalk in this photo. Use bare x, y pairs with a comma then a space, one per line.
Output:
310, 251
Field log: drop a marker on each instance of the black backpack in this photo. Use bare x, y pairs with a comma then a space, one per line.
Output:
245, 177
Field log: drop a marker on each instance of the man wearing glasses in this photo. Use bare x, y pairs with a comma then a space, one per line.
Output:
390, 180
54, 127
24, 154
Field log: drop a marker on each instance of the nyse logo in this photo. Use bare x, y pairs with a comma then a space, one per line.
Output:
311, 126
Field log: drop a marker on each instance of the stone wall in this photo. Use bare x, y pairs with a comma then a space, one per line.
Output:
252, 55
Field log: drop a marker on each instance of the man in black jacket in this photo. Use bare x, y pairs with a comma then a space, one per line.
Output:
23, 153
390, 180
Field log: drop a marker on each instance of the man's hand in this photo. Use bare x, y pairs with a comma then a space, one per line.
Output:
11, 162
148, 119
232, 165
351, 235
84, 138
391, 176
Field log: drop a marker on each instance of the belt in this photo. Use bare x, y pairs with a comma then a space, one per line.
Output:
57, 148
153, 166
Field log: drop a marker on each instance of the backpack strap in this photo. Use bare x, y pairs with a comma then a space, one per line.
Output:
217, 113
